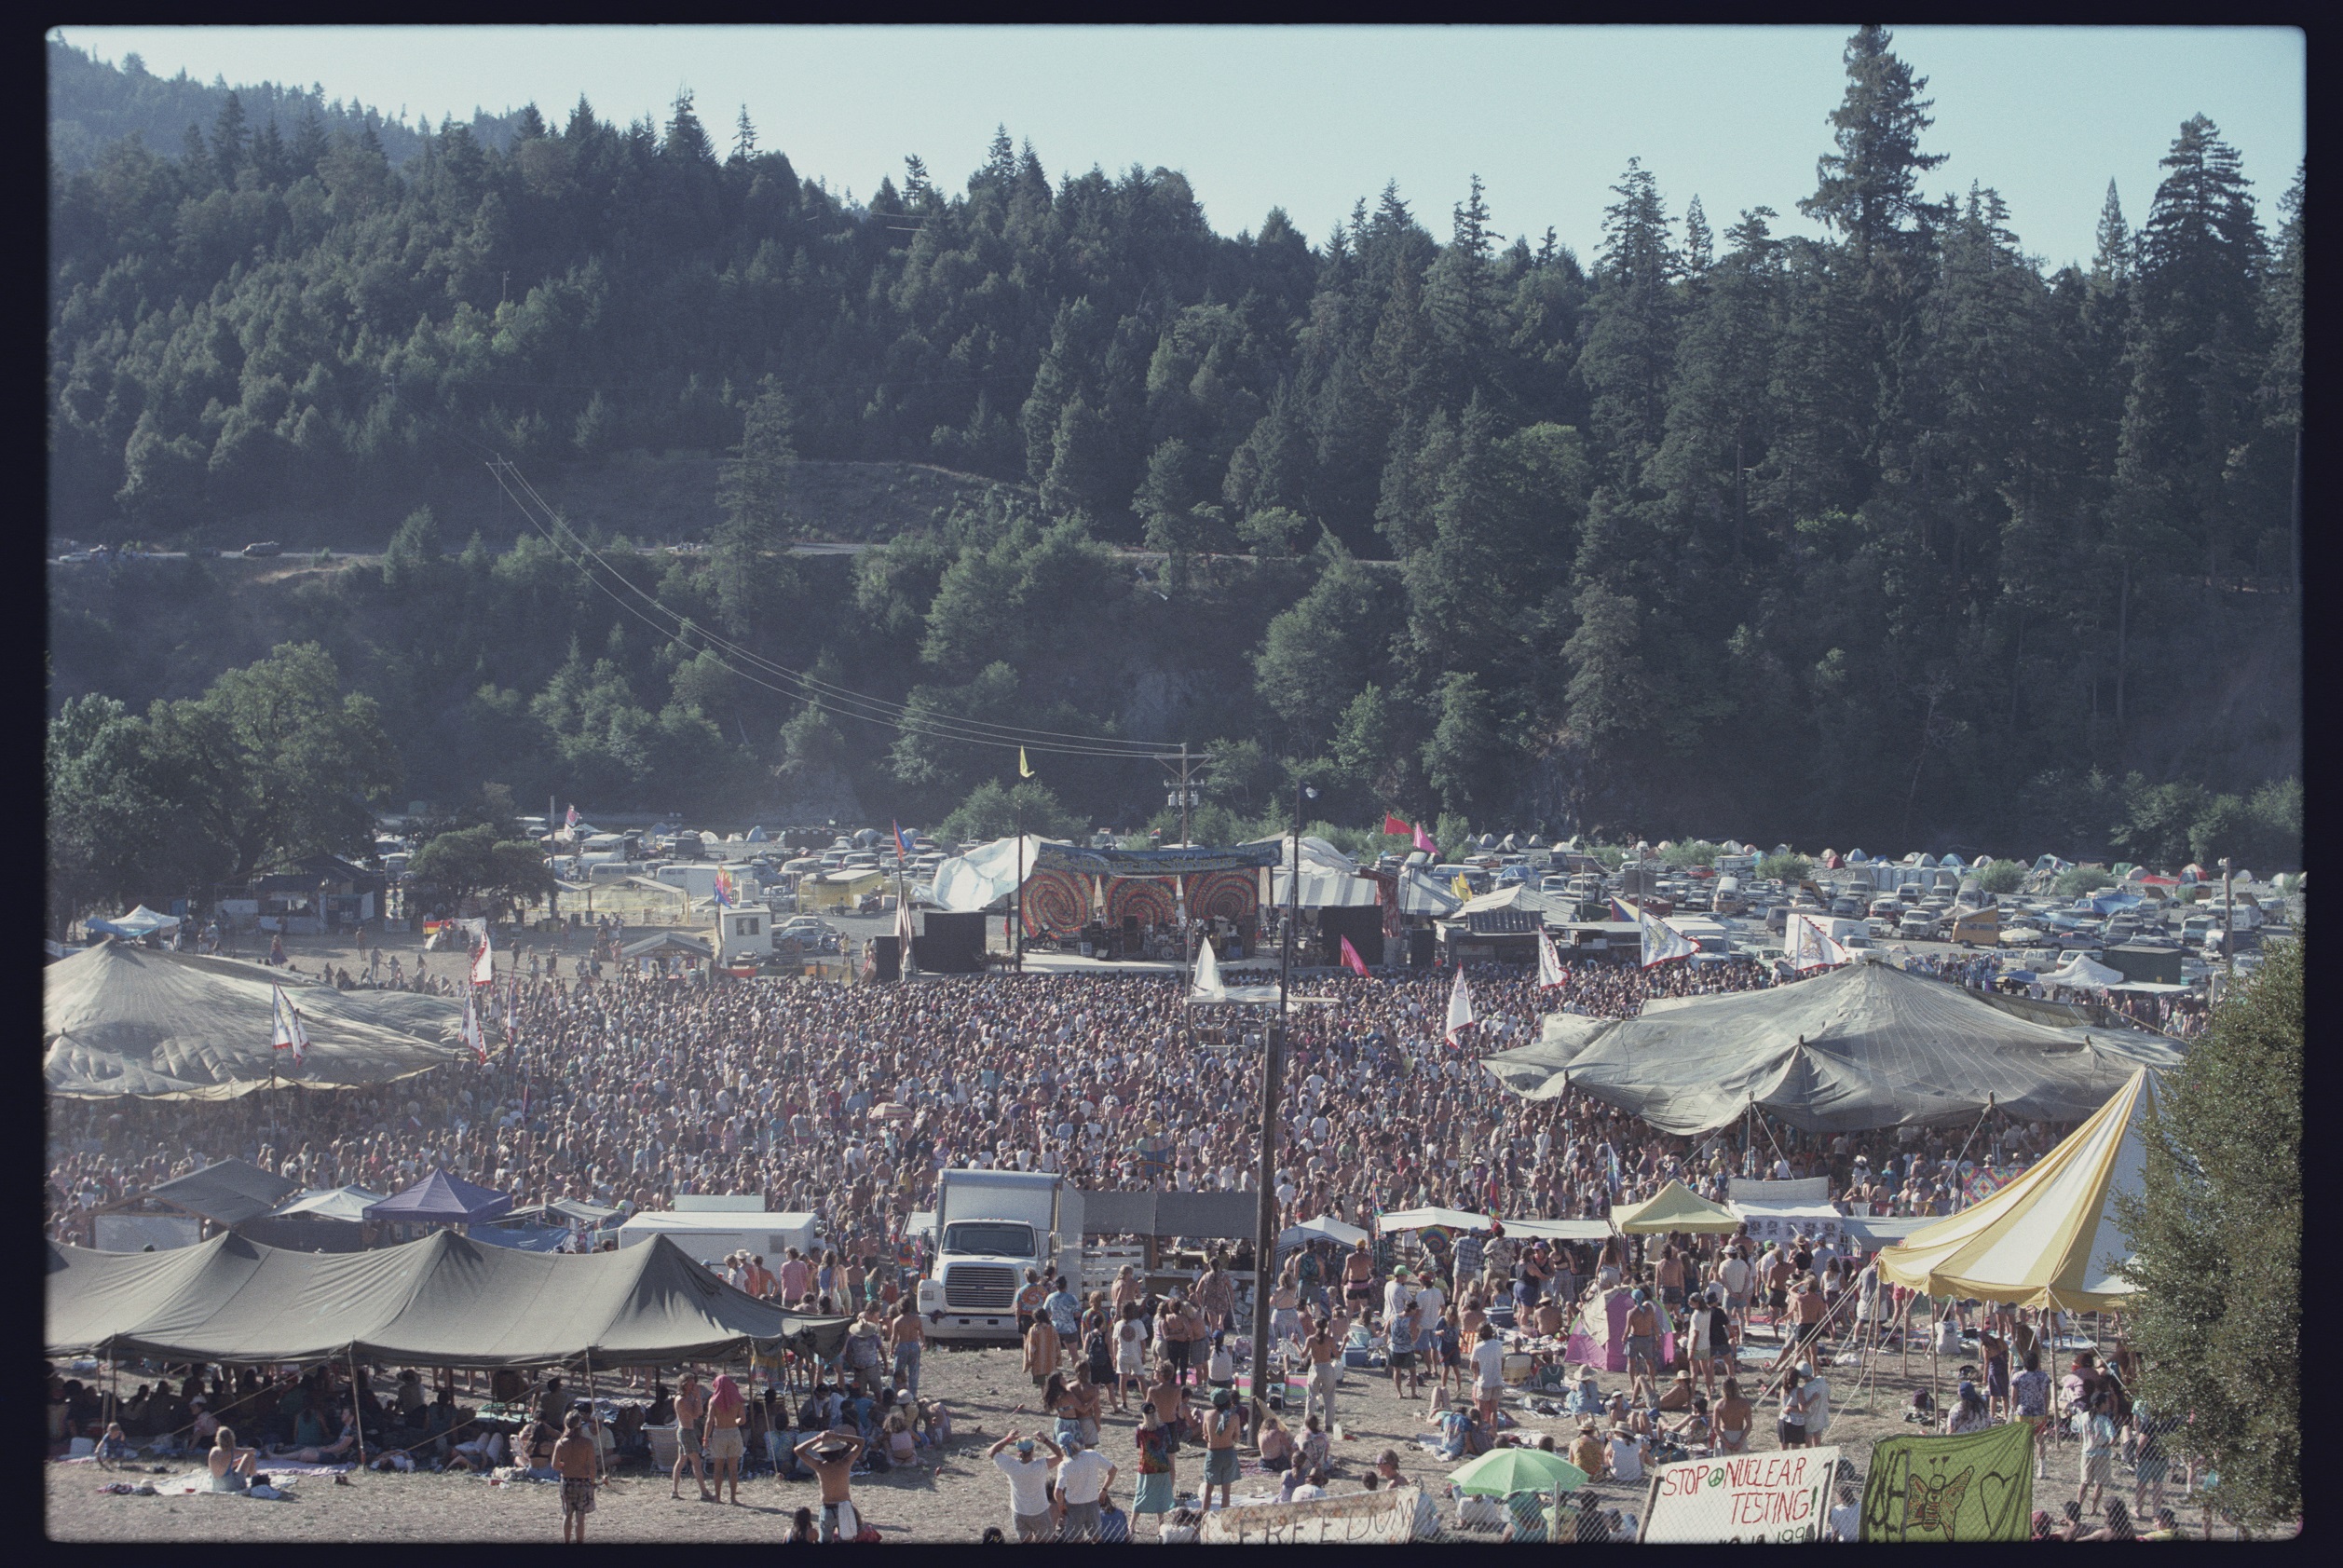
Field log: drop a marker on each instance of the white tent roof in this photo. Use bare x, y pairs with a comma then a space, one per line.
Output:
1416, 1219
141, 921
1421, 894
1861, 1047
1210, 990
1323, 1228
2085, 971
982, 878
328, 1203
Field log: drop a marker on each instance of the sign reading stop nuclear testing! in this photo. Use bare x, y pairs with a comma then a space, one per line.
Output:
1783, 1496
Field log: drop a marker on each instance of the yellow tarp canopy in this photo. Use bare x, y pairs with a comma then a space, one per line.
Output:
1674, 1207
2050, 1238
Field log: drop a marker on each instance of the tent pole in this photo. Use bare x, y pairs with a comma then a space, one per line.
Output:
358, 1409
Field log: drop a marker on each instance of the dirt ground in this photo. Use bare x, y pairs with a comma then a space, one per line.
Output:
950, 1501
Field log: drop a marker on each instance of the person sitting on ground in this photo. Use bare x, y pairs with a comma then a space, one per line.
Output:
113, 1445
232, 1468
1588, 1453
1276, 1445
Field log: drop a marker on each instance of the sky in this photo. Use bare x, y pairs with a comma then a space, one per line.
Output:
1311, 119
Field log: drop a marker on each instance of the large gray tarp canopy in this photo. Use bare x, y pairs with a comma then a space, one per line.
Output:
119, 1021
1861, 1047
446, 1301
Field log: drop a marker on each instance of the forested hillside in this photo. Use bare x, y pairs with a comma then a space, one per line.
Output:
1892, 535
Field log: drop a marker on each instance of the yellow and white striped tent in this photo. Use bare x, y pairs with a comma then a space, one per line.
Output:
2050, 1238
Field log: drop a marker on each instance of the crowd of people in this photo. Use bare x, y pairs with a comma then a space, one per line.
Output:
845, 1101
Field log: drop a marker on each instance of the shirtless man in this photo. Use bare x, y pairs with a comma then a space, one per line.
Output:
831, 1455
1735, 1416
905, 1336
1323, 1372
1643, 1327
691, 1412
577, 1459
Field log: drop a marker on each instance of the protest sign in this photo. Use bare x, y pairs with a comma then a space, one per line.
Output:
1738, 1498
1975, 1487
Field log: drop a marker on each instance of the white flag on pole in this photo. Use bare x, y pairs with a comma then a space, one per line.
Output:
1460, 1009
484, 966
290, 1036
1662, 942
473, 1036
1550, 964
1812, 948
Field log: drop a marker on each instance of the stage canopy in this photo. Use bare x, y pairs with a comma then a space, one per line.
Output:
448, 1301
1861, 1047
2050, 1238
984, 877
1674, 1207
120, 1020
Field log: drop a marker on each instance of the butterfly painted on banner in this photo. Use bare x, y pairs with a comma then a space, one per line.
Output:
1931, 1507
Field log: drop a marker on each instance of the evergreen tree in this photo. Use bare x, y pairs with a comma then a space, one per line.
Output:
754, 495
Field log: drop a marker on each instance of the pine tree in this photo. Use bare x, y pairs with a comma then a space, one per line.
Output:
1632, 347
229, 139
743, 136
752, 493
1869, 190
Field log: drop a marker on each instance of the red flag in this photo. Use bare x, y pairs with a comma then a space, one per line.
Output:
1351, 960
1393, 824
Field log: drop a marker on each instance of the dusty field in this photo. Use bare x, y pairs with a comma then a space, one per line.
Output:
952, 1502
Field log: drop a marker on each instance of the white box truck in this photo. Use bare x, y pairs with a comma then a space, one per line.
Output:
711, 1225
990, 1227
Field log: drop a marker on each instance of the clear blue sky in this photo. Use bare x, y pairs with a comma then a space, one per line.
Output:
1312, 118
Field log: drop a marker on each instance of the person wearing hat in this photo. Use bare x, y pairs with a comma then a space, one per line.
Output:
1679, 1395
1588, 1452
1028, 1482
1222, 1426
1084, 1477
830, 1455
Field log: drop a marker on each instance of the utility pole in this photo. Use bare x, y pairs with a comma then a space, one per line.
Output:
1273, 1080
2228, 923
1186, 760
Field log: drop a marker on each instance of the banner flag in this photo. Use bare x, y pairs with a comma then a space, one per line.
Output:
1396, 829
1424, 841
1024, 768
473, 1035
1460, 1009
483, 964
1551, 972
1351, 960
1662, 943
1978, 1486
290, 1035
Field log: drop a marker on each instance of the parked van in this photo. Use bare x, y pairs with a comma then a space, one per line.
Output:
1917, 926
1977, 928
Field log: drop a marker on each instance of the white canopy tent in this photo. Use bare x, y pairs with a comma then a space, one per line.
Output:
982, 878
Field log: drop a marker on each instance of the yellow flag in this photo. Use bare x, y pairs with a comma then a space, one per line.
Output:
1024, 768
1464, 888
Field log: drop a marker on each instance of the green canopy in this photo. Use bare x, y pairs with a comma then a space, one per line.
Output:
446, 1301
1503, 1471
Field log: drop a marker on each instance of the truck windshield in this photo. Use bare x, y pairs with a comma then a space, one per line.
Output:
999, 1238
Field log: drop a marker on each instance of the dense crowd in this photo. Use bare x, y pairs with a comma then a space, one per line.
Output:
845, 1101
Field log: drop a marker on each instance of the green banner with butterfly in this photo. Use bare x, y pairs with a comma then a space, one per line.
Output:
1976, 1487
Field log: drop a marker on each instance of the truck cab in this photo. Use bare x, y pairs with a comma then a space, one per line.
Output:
990, 1227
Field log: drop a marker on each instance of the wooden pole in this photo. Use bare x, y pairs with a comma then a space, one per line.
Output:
358, 1409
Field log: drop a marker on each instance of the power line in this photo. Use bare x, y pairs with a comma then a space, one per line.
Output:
824, 694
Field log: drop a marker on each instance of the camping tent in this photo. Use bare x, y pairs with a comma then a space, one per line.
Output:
448, 1301
120, 1020
1674, 1207
226, 1194
1856, 1048
2050, 1238
141, 921
442, 1199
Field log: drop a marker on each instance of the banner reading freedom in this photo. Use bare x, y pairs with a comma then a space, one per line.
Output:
1743, 1497
1976, 1487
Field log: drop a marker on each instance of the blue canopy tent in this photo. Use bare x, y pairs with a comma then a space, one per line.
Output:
441, 1199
